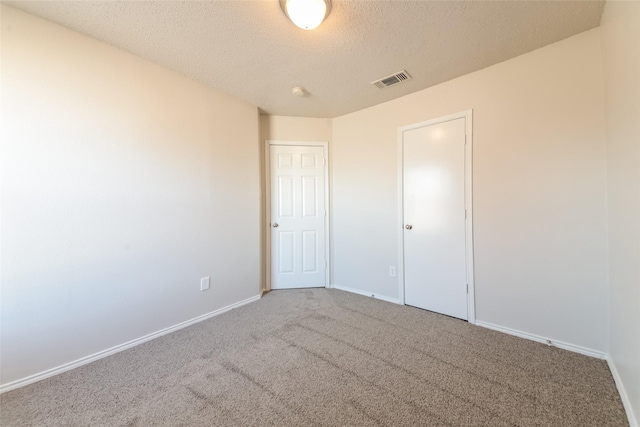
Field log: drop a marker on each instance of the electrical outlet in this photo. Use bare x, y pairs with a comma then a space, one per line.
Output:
392, 271
204, 283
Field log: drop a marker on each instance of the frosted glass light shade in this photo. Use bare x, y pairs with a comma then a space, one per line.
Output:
306, 14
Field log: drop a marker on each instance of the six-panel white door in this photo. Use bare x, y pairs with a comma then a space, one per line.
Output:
435, 270
297, 216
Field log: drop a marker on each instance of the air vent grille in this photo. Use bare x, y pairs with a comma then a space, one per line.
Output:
391, 80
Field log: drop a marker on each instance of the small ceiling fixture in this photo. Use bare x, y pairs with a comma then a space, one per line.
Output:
306, 14
298, 91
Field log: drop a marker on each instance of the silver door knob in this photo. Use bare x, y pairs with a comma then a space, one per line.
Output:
275, 225
408, 226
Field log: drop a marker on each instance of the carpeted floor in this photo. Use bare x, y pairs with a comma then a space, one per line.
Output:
326, 358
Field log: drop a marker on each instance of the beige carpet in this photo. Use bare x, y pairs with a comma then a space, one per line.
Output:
326, 358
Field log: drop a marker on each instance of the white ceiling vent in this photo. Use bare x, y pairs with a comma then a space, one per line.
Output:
391, 80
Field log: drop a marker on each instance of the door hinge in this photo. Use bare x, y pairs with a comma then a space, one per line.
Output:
324, 162
467, 288
465, 214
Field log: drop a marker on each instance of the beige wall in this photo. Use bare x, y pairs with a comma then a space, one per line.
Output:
287, 128
539, 190
120, 180
621, 47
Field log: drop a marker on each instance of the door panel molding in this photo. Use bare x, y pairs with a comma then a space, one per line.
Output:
468, 193
267, 212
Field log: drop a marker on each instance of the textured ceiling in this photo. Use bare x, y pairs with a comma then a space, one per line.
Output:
250, 50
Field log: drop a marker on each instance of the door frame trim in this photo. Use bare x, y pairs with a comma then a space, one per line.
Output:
267, 215
468, 204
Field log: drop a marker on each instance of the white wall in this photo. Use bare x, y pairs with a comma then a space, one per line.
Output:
539, 194
621, 47
122, 185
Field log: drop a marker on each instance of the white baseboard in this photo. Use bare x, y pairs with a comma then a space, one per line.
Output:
626, 402
365, 293
560, 344
108, 352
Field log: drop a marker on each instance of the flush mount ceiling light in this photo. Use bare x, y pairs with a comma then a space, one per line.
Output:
306, 14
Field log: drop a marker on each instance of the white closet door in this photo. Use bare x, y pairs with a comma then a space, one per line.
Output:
434, 218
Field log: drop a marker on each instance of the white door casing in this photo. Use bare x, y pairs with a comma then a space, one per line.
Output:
297, 216
435, 209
